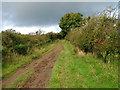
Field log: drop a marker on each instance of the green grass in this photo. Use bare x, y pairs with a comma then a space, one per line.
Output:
20, 60
18, 82
77, 71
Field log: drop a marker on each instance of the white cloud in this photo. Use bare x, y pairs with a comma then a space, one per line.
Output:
54, 28
26, 30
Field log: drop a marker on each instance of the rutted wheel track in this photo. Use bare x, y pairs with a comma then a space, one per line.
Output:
41, 77
43, 68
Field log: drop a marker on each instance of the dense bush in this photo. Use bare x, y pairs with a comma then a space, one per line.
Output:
21, 49
99, 35
14, 43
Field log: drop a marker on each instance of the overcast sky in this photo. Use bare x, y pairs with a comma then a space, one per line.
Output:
28, 17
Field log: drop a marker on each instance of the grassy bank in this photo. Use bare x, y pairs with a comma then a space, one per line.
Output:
82, 71
21, 60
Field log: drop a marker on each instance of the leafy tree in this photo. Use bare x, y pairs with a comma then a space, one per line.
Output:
69, 21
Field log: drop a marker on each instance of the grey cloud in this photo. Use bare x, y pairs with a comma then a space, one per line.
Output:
46, 13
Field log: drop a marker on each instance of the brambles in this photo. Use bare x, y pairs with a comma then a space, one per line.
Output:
99, 35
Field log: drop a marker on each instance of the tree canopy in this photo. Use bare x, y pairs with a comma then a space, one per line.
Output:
69, 21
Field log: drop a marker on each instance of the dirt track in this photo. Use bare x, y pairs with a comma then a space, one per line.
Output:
43, 68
